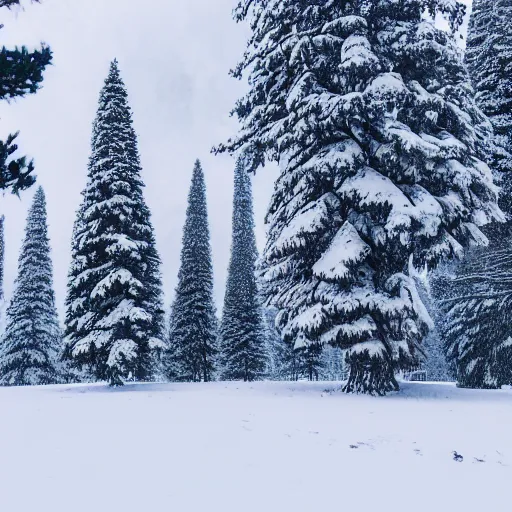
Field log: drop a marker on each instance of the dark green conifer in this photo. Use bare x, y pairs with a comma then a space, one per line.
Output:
193, 326
114, 316
31, 345
242, 333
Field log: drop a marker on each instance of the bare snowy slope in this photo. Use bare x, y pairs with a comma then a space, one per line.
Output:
253, 447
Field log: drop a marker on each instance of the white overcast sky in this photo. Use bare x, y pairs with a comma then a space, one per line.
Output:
174, 56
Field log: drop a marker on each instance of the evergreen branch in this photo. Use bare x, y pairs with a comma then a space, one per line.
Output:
15, 174
10, 3
22, 71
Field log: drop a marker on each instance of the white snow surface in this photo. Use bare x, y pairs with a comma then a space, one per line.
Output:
287, 447
346, 247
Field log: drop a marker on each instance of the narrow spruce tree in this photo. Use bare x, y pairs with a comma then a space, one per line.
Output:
489, 59
368, 110
21, 73
114, 315
193, 326
242, 333
32, 342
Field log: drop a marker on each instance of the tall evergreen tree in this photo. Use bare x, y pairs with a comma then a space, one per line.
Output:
489, 59
367, 108
21, 73
31, 345
242, 333
114, 316
193, 326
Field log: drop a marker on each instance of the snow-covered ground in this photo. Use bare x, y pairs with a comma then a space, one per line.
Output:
283, 447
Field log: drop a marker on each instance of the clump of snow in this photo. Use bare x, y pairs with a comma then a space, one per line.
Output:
122, 350
346, 248
121, 276
308, 220
373, 348
361, 326
356, 52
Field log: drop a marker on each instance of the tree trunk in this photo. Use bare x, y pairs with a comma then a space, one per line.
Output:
370, 375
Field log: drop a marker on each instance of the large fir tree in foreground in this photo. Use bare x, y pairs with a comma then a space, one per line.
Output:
368, 110
114, 315
31, 345
489, 59
21, 73
242, 333
193, 326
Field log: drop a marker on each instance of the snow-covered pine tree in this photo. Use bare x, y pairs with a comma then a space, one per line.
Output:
489, 59
368, 110
193, 325
477, 299
21, 73
242, 333
114, 315
31, 345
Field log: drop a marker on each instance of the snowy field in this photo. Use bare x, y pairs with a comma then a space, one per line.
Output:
284, 447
